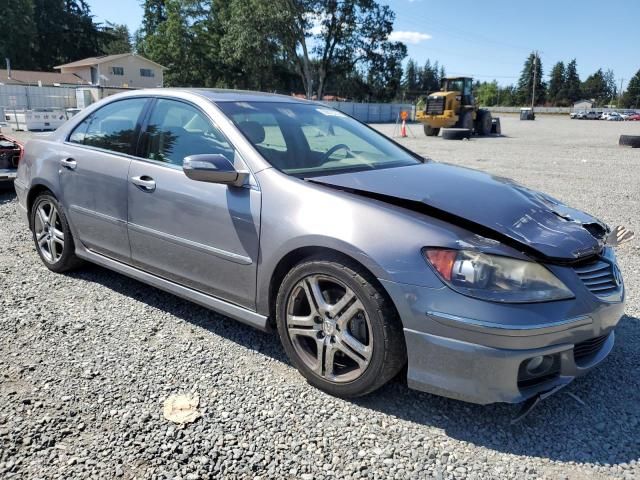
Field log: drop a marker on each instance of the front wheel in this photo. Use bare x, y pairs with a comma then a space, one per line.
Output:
338, 327
430, 131
465, 121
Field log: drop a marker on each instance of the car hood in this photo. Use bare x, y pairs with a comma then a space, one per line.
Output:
491, 206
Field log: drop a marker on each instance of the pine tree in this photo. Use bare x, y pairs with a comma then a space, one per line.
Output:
572, 83
557, 80
631, 98
18, 33
117, 39
410, 82
525, 84
595, 87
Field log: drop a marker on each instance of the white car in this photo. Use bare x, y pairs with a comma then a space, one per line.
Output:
613, 117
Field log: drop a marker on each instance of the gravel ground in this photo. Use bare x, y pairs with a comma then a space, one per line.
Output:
87, 359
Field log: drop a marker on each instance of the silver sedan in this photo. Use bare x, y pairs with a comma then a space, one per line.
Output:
288, 215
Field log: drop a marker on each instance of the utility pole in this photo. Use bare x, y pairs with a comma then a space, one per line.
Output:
620, 93
535, 78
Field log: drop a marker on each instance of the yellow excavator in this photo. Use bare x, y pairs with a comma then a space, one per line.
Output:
455, 107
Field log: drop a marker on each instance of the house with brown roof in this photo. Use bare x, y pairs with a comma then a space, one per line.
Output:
45, 79
126, 70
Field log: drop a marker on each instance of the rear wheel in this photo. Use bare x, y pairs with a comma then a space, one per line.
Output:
52, 235
430, 131
338, 328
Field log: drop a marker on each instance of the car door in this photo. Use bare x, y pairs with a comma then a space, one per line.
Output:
94, 176
201, 235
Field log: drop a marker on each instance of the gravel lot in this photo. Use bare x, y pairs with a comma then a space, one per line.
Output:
87, 359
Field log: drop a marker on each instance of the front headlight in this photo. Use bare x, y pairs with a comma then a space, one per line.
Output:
496, 278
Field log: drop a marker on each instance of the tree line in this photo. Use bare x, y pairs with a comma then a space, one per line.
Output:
563, 88
316, 48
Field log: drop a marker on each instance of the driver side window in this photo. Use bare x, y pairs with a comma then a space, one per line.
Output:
177, 130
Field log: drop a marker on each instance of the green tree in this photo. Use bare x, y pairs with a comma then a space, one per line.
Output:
116, 39
612, 87
532, 68
410, 82
572, 82
430, 77
488, 94
18, 33
251, 52
595, 87
631, 97
385, 72
557, 80
174, 43
65, 31
155, 14
323, 36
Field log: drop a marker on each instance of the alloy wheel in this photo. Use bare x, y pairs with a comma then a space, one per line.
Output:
49, 232
329, 328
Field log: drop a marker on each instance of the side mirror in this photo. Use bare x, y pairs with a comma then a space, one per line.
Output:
214, 168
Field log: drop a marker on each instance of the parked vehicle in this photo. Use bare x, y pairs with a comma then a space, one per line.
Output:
572, 115
11, 152
364, 256
614, 117
592, 115
634, 117
581, 115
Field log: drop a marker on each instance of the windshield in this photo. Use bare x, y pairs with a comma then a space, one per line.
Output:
454, 85
309, 140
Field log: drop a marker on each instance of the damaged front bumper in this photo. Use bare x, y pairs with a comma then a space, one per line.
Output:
480, 351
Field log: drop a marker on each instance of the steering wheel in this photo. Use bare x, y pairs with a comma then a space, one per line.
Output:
332, 150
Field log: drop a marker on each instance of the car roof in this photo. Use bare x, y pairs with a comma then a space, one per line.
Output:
219, 95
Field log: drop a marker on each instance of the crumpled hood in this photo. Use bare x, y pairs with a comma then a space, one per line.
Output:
491, 206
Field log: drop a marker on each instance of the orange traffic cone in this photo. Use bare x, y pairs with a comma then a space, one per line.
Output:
403, 129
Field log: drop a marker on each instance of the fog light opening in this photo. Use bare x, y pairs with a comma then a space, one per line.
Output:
539, 365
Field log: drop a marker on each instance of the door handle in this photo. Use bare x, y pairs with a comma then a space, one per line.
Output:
69, 163
145, 182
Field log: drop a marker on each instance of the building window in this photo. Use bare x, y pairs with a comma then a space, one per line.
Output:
147, 72
117, 71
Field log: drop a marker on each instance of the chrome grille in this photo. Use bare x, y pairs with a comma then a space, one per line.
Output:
598, 277
588, 347
435, 105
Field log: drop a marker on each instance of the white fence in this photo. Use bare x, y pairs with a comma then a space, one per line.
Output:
30, 97
374, 112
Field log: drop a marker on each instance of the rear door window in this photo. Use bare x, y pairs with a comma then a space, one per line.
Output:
112, 127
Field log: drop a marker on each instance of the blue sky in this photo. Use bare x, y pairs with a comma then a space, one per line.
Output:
491, 39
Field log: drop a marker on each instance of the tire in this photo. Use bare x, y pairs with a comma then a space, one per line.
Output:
456, 133
52, 235
431, 131
349, 352
465, 121
483, 123
632, 141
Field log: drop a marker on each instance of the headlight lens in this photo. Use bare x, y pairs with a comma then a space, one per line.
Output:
496, 278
